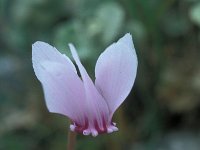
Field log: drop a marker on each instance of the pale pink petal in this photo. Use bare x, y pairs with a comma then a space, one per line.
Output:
97, 107
115, 71
63, 89
44, 52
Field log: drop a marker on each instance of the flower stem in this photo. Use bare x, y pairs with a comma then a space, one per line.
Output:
71, 140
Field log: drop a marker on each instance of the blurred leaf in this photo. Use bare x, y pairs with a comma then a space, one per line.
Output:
107, 21
20, 9
37, 13
73, 32
2, 6
175, 24
8, 64
90, 144
59, 142
16, 142
149, 12
195, 14
191, 0
83, 9
15, 37
138, 30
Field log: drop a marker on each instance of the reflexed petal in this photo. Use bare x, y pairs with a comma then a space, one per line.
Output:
96, 104
63, 89
44, 52
115, 71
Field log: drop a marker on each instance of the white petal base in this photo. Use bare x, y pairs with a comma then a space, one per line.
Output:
94, 132
72, 127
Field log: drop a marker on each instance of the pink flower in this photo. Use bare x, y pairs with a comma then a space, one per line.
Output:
89, 105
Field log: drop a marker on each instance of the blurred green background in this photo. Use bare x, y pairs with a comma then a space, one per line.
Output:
163, 110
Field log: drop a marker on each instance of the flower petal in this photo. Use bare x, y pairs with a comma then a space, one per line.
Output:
96, 104
63, 89
115, 71
44, 52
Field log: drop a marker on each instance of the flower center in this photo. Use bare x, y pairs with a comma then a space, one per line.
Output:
93, 127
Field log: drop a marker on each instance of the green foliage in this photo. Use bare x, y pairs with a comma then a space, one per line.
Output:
108, 20
194, 14
73, 32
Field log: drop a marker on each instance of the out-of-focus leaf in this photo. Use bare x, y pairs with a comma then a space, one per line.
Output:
40, 13
195, 14
107, 21
183, 140
138, 30
191, 0
8, 65
20, 9
58, 141
2, 5
175, 24
16, 142
15, 36
83, 8
87, 144
73, 32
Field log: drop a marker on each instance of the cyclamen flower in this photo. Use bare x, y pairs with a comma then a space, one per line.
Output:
89, 105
